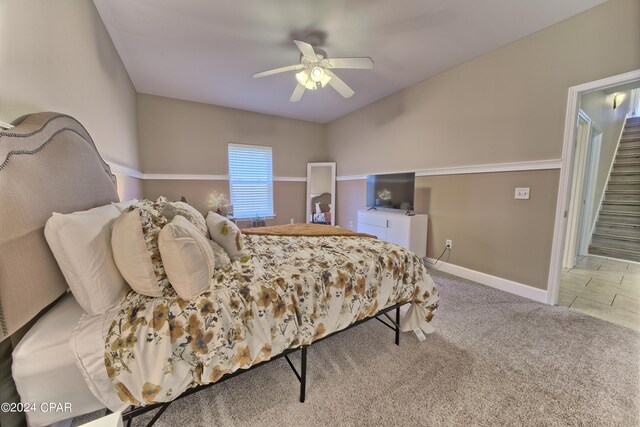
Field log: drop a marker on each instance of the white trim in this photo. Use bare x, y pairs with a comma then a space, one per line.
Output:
351, 177
488, 168
520, 289
123, 170
290, 178
6, 126
192, 177
497, 167
185, 177
564, 185
258, 147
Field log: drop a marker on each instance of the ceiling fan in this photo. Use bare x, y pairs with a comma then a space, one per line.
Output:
316, 70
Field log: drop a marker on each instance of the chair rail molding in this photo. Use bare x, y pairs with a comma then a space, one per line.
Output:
471, 169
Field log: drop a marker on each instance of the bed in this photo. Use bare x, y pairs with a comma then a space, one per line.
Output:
286, 294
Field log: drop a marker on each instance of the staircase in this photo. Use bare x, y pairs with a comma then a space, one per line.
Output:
617, 233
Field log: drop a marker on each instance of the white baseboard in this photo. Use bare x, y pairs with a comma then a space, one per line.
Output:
506, 285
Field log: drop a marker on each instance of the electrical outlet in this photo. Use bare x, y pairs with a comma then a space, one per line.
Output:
522, 193
449, 244
291, 221
350, 224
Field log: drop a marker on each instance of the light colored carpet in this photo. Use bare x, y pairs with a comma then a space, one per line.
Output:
495, 359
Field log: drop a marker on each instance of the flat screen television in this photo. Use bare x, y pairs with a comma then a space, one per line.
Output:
391, 191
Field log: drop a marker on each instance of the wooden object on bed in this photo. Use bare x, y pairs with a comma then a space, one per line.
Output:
304, 230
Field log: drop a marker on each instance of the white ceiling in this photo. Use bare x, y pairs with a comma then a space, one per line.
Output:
207, 50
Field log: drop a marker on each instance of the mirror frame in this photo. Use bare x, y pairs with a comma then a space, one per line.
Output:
333, 190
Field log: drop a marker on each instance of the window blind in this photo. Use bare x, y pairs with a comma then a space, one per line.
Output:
251, 180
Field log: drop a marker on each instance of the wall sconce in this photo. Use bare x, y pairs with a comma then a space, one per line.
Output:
617, 100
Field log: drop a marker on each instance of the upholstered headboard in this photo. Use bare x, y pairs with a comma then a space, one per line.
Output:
324, 198
48, 163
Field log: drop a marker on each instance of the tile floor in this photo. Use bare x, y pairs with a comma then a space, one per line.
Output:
604, 288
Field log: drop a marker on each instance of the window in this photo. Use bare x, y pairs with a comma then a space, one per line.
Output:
251, 180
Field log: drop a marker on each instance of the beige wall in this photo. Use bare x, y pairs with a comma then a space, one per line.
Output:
288, 197
505, 106
599, 107
182, 137
128, 187
491, 231
58, 56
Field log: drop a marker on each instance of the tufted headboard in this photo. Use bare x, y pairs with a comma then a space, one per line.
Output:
48, 163
324, 198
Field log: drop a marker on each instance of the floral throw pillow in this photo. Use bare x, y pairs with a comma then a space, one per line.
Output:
170, 209
134, 241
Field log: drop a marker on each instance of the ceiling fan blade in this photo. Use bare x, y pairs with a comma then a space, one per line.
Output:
357, 63
297, 93
306, 49
278, 70
340, 86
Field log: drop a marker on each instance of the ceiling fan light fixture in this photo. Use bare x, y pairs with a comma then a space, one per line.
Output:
305, 80
325, 79
317, 74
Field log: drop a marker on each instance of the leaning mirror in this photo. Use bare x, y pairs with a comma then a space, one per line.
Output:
321, 193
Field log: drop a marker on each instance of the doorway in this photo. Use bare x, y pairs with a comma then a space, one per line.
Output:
581, 194
578, 225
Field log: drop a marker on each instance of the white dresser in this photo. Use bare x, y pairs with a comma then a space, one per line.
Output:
407, 231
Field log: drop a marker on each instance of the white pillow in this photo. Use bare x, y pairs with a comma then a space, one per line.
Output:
81, 243
132, 256
225, 233
187, 256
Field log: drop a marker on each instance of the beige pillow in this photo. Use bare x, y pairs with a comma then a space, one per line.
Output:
134, 242
187, 256
225, 233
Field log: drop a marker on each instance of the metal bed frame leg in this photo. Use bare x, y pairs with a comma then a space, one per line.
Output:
303, 372
397, 325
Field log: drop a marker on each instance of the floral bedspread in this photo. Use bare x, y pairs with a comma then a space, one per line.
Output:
291, 291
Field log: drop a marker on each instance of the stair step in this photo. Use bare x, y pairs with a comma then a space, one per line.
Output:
629, 145
616, 242
630, 255
622, 206
621, 197
625, 178
609, 216
620, 186
633, 190
617, 228
599, 236
629, 167
627, 158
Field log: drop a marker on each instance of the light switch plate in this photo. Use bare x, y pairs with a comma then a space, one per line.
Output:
522, 193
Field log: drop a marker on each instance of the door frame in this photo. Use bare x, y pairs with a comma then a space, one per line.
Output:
593, 160
575, 211
564, 185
